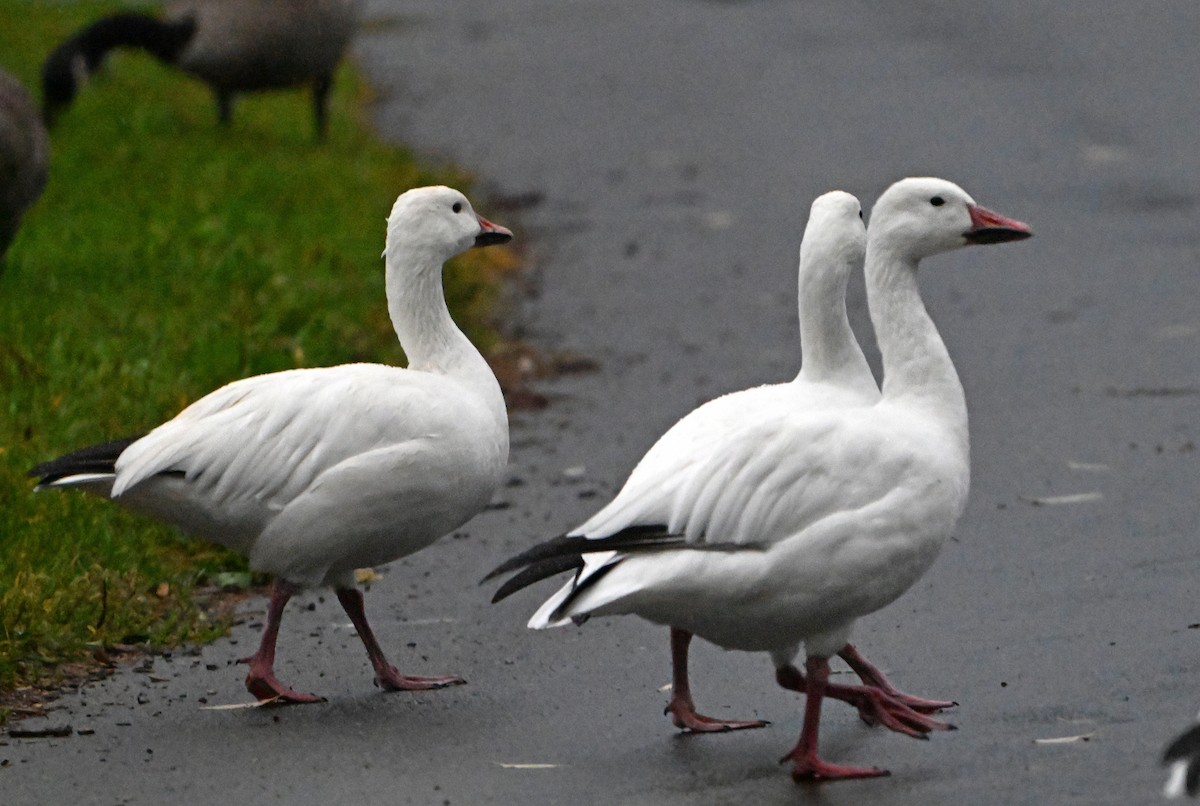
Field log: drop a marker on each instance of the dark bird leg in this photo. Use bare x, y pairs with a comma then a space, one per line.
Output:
261, 680
807, 766
387, 676
681, 708
224, 107
6, 238
873, 677
321, 87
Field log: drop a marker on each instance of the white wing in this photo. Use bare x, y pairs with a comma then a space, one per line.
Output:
702, 441
828, 491
267, 438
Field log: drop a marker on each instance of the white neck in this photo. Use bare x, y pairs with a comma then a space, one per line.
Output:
429, 336
917, 369
831, 352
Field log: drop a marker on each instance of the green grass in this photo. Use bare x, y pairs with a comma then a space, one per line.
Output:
168, 257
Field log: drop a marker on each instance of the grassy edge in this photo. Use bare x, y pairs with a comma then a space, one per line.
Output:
64, 607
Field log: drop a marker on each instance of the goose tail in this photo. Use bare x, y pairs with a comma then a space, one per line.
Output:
87, 467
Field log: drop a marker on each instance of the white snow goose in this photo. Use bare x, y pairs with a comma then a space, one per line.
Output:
797, 524
313, 473
834, 373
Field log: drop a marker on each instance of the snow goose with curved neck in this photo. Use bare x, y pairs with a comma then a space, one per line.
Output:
313, 473
801, 522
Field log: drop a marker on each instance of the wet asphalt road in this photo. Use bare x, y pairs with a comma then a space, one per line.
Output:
673, 149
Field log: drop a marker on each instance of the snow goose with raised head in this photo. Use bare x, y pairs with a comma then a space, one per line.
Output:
799, 523
313, 473
834, 373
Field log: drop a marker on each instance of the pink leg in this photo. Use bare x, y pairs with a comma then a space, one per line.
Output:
807, 766
874, 705
387, 676
681, 708
261, 680
877, 707
873, 677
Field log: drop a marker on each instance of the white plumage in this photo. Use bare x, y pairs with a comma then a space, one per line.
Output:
833, 374
313, 473
797, 522
286, 467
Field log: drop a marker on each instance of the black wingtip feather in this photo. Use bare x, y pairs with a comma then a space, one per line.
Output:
554, 547
92, 459
565, 553
579, 588
537, 572
634, 537
1185, 746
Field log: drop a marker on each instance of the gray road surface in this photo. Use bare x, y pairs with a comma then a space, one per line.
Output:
675, 146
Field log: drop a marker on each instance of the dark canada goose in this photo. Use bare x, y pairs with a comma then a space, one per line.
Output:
234, 46
24, 157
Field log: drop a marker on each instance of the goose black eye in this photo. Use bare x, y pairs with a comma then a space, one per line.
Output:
457, 207
860, 218
937, 201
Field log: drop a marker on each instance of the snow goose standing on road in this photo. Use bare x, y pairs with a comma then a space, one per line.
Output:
834, 373
313, 473
799, 523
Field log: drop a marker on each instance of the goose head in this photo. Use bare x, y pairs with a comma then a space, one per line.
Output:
440, 223
835, 235
927, 216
